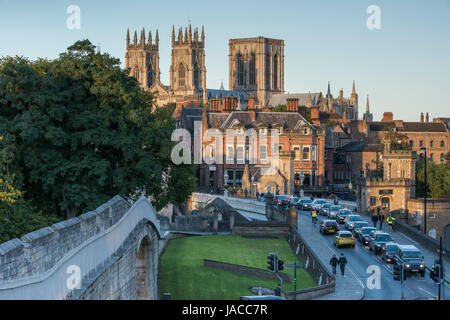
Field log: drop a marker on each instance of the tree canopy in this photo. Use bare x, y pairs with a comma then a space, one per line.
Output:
85, 131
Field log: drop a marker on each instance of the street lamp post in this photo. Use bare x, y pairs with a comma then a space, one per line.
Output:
426, 192
302, 177
225, 178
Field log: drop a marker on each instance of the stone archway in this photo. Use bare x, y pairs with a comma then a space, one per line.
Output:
386, 204
143, 272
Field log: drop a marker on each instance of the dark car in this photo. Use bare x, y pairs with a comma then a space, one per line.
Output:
294, 201
324, 209
412, 258
282, 200
357, 226
377, 239
305, 204
328, 226
389, 251
364, 234
340, 218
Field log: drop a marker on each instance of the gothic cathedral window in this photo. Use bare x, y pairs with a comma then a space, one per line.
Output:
252, 69
181, 75
268, 71
240, 67
275, 71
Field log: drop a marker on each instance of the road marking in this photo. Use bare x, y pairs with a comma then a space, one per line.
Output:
432, 294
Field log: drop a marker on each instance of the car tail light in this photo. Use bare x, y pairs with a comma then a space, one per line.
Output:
324, 227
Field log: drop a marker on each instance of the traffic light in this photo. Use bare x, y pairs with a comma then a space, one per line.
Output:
280, 265
398, 271
271, 261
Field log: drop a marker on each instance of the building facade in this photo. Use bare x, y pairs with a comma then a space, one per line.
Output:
256, 65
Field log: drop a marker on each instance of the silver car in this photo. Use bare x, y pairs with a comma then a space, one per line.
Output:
334, 210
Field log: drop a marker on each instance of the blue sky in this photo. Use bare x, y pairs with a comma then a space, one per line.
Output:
404, 67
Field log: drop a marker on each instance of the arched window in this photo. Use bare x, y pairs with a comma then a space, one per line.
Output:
240, 69
252, 69
275, 71
196, 80
135, 73
181, 75
268, 71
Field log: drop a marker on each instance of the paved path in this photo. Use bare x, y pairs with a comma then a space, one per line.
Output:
349, 286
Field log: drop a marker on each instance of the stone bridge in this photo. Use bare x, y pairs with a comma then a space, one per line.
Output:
109, 253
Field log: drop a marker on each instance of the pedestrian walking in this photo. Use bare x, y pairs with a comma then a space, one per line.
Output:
342, 262
334, 262
380, 218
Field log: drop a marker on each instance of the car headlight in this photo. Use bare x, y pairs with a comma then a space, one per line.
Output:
408, 265
422, 266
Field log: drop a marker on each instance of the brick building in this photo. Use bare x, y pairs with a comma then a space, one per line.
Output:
300, 147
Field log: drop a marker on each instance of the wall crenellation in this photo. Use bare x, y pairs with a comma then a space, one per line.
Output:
38, 251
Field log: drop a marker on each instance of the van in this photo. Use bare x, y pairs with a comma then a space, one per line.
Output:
412, 257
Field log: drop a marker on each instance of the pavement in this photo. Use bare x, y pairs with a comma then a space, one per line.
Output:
349, 286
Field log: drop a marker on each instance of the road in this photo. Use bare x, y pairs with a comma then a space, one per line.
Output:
360, 258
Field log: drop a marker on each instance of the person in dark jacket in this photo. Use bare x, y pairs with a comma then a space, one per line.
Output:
342, 262
380, 218
334, 262
278, 291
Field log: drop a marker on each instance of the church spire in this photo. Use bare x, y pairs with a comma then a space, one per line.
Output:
128, 38
143, 37
329, 90
135, 38
157, 39
367, 105
309, 101
203, 34
190, 33
185, 35
150, 39
173, 35
353, 90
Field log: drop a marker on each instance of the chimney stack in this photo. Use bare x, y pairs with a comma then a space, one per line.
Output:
292, 105
428, 118
421, 117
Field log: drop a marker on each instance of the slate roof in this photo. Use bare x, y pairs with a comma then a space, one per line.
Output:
277, 99
190, 115
217, 93
288, 120
358, 146
408, 126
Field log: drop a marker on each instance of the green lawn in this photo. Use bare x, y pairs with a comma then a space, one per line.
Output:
183, 275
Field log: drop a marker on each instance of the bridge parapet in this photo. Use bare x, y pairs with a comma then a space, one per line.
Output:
38, 251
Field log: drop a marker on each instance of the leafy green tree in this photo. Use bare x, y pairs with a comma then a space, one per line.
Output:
397, 140
280, 108
438, 179
85, 131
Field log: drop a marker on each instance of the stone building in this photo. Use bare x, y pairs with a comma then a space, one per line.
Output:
256, 65
187, 70
392, 191
330, 109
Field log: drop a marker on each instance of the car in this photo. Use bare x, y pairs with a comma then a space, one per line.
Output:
328, 226
262, 298
364, 234
294, 201
412, 258
305, 204
340, 217
351, 219
344, 238
282, 200
334, 211
389, 252
357, 226
317, 203
377, 239
324, 208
